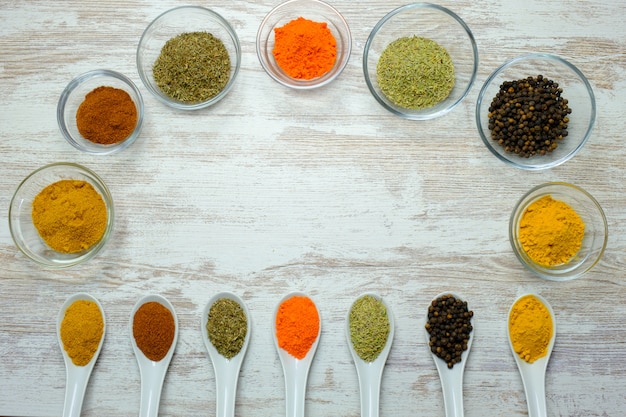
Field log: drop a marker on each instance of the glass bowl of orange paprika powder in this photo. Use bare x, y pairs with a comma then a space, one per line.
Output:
100, 112
304, 44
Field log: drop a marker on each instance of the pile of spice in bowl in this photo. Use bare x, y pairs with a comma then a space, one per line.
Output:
304, 44
535, 111
100, 112
61, 215
189, 57
420, 61
558, 231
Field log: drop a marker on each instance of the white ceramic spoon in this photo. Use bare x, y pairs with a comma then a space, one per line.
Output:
452, 379
534, 374
226, 370
296, 370
77, 376
370, 373
152, 372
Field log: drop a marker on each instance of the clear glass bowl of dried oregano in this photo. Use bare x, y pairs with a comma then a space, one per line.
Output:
558, 231
536, 111
420, 61
189, 57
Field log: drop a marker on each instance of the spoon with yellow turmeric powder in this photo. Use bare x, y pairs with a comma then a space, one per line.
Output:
532, 331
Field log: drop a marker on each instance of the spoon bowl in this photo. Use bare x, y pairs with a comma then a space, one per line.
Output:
296, 371
226, 370
152, 372
77, 376
370, 373
534, 374
452, 378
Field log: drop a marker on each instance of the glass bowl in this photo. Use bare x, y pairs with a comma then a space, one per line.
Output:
23, 230
576, 89
435, 23
595, 235
314, 10
74, 94
174, 22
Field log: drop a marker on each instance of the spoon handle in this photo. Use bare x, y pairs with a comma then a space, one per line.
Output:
75, 392
295, 390
369, 381
151, 386
226, 387
535, 387
453, 393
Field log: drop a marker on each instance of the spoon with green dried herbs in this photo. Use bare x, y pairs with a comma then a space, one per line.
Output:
225, 328
370, 330
81, 328
449, 332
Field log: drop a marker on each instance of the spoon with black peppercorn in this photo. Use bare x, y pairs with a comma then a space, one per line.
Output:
370, 373
452, 309
534, 374
226, 369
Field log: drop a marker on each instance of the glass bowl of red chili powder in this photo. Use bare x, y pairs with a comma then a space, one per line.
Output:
420, 61
188, 57
100, 112
61, 215
304, 44
558, 231
535, 111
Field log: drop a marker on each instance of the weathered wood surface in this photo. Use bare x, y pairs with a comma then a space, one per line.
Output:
274, 190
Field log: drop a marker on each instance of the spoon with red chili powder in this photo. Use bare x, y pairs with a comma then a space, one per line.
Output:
153, 334
78, 375
296, 331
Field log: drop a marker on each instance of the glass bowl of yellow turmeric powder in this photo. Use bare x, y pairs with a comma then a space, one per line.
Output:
558, 231
420, 61
188, 57
100, 112
61, 215
304, 44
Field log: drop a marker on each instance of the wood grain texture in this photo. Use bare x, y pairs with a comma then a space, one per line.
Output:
274, 190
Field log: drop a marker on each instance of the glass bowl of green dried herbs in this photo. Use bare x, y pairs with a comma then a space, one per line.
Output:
535, 111
304, 44
61, 215
420, 61
189, 57
558, 231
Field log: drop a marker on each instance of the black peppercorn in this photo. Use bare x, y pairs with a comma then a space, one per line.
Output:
449, 325
529, 117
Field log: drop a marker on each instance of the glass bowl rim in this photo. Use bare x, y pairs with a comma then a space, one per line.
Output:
91, 252
374, 32
525, 57
203, 104
547, 272
79, 80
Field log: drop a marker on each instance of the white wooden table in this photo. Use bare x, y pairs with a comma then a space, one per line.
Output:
274, 190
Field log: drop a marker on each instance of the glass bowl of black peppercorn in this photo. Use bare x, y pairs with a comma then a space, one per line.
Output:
536, 111
189, 57
420, 61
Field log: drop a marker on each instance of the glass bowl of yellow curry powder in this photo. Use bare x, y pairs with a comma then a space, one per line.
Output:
535, 111
304, 44
420, 61
189, 57
61, 215
100, 112
558, 231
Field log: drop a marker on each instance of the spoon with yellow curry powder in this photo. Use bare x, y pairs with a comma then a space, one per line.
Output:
80, 329
532, 331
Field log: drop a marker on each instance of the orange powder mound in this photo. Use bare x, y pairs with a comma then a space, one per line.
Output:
305, 49
297, 325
